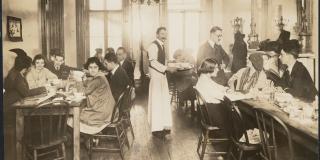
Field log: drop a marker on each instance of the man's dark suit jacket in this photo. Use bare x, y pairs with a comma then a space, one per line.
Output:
118, 82
218, 53
62, 73
299, 83
127, 65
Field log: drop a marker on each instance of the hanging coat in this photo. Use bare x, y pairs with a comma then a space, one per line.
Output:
239, 52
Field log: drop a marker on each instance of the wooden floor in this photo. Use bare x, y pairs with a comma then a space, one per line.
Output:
179, 145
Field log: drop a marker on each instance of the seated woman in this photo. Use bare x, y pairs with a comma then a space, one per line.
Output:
212, 69
250, 78
39, 76
16, 85
211, 81
210, 87
100, 102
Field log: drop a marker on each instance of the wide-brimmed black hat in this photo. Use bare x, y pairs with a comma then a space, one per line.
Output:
263, 45
18, 51
292, 47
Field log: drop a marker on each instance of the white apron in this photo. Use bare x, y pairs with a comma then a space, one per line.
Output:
159, 108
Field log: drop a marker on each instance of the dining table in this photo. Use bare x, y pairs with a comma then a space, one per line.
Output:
25, 105
304, 132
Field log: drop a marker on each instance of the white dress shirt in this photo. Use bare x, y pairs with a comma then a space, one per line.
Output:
211, 91
291, 66
115, 69
153, 57
121, 62
211, 43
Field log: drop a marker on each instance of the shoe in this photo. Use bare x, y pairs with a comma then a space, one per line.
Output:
166, 131
157, 134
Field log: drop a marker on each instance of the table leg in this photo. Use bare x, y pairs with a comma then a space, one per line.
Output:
76, 133
19, 134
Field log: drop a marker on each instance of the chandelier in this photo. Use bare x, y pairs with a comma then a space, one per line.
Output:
253, 37
281, 22
237, 24
148, 2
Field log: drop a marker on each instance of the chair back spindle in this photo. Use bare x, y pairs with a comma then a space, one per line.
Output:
237, 123
202, 104
267, 123
115, 113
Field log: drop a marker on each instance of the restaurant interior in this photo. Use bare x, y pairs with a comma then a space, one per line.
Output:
211, 117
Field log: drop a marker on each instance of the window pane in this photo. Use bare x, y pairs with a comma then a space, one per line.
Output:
184, 4
114, 30
175, 33
114, 4
192, 31
105, 4
96, 31
96, 4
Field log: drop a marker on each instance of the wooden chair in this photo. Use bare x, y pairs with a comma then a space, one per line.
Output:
206, 129
267, 124
45, 131
173, 89
238, 128
126, 106
114, 130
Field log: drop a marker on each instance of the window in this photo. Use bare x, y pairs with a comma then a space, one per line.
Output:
103, 5
184, 20
105, 23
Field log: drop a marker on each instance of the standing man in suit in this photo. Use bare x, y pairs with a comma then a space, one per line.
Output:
117, 76
125, 63
213, 49
298, 80
159, 108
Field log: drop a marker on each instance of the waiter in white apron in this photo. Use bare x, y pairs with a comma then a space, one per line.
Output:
159, 108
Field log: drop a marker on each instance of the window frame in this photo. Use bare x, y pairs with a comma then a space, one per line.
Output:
106, 13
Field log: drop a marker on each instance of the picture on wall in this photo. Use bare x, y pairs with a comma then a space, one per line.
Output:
14, 29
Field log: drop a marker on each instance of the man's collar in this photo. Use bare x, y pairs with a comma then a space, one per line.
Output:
159, 41
211, 43
290, 67
115, 69
121, 62
55, 66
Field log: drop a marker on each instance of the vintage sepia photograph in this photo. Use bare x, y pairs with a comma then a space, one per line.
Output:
160, 79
